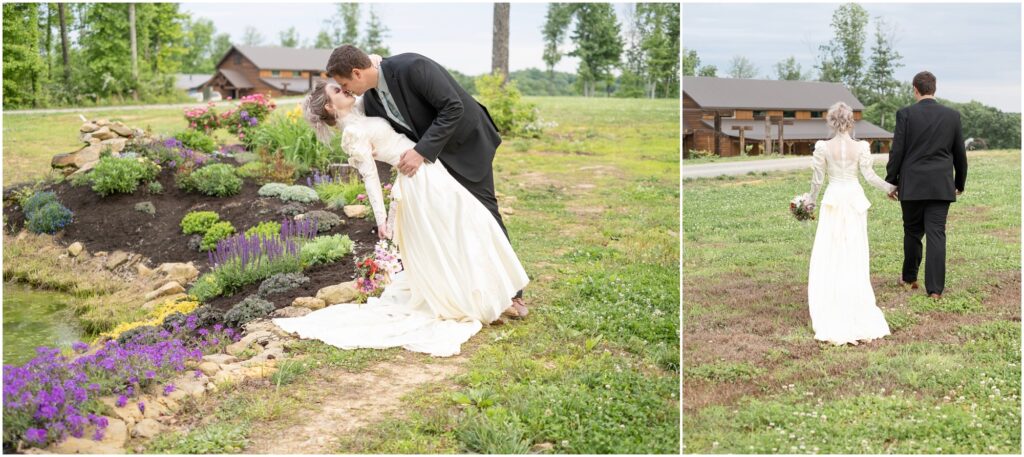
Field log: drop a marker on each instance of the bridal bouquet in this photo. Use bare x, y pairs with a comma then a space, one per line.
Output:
802, 207
375, 272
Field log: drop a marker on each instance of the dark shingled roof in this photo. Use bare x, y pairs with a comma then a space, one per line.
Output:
186, 81
802, 129
236, 78
281, 58
763, 94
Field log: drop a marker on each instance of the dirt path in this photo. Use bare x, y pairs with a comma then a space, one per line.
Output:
340, 403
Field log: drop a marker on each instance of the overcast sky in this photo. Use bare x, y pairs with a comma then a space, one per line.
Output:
974, 50
457, 35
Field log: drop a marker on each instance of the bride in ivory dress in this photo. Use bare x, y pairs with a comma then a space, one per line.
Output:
460, 270
839, 293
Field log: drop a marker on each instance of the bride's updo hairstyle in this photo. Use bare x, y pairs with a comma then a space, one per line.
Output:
840, 118
314, 108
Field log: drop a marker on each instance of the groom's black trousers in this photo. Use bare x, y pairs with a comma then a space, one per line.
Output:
925, 218
484, 192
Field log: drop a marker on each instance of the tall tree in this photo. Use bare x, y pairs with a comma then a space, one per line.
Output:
741, 67
61, 11
596, 37
556, 22
842, 59
221, 45
251, 36
199, 56
349, 13
691, 61
289, 37
880, 81
499, 40
135, 50
660, 44
22, 65
790, 70
709, 71
323, 40
376, 32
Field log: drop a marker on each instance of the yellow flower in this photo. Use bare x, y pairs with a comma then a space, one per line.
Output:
156, 317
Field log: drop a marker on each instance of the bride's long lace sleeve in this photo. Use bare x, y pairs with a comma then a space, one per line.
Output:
356, 143
817, 169
866, 163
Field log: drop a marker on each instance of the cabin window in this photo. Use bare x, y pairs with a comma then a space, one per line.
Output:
275, 72
759, 113
816, 114
789, 114
238, 59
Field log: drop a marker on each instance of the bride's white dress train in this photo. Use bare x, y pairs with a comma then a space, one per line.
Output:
839, 292
460, 270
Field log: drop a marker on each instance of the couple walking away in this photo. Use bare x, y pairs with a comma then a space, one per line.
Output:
927, 169
460, 271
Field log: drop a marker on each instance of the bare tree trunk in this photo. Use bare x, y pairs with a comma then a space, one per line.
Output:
49, 41
64, 42
135, 51
499, 44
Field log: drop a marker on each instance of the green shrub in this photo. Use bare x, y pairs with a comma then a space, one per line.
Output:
281, 282
268, 228
272, 189
511, 115
198, 222
49, 219
247, 310
206, 287
207, 316
37, 201
252, 170
340, 193
297, 142
154, 187
217, 232
117, 175
325, 220
325, 249
197, 141
217, 180
299, 194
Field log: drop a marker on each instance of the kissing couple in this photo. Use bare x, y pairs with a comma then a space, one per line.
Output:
460, 270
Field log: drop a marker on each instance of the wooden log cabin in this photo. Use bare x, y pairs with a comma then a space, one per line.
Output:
723, 115
272, 70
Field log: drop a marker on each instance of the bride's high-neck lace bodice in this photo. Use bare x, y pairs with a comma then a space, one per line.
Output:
367, 139
840, 158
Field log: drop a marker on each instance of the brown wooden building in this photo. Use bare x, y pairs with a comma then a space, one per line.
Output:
720, 114
270, 70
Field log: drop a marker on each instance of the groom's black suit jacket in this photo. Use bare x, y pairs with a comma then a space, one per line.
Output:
447, 123
928, 160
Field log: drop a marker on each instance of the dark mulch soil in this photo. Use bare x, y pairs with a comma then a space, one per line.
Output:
112, 223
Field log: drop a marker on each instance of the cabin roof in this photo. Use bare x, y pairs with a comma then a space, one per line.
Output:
765, 94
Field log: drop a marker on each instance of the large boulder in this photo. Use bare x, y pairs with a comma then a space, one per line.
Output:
88, 127
356, 211
170, 288
121, 129
184, 273
311, 303
104, 133
116, 145
345, 292
90, 153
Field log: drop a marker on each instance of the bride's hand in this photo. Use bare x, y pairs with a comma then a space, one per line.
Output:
375, 60
382, 231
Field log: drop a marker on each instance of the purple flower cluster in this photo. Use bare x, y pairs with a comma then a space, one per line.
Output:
251, 120
250, 251
53, 395
318, 179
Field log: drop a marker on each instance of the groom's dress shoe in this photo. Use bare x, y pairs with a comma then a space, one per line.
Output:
912, 285
935, 296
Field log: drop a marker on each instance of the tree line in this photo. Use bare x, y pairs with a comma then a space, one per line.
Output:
871, 79
646, 53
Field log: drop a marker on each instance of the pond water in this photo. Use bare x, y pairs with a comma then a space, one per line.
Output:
35, 318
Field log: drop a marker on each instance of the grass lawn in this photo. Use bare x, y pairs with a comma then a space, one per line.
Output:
755, 381
593, 369
741, 158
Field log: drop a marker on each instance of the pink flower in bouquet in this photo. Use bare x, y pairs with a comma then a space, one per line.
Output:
361, 197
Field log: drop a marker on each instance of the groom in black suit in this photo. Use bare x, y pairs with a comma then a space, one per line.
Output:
423, 102
928, 164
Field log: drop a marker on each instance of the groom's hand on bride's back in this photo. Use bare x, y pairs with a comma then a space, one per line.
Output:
410, 162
